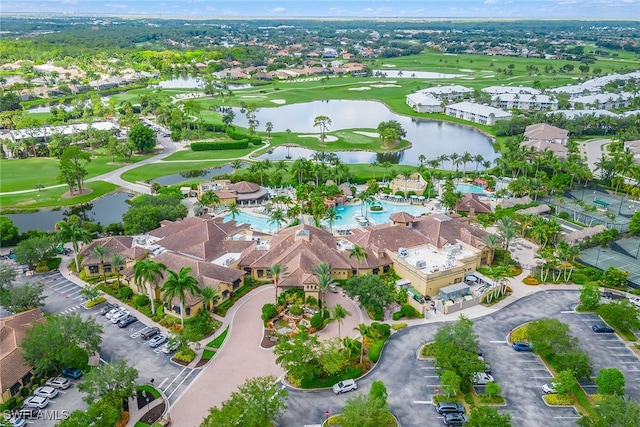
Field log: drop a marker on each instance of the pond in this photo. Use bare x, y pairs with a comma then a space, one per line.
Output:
430, 138
193, 83
106, 210
67, 106
200, 174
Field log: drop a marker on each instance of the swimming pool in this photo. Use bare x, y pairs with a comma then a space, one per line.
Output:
468, 188
257, 223
347, 213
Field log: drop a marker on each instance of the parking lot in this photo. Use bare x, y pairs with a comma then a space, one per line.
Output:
605, 351
63, 297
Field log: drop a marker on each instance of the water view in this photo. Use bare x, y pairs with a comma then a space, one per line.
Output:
200, 174
429, 137
193, 83
106, 210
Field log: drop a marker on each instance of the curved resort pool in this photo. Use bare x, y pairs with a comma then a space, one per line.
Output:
351, 216
468, 188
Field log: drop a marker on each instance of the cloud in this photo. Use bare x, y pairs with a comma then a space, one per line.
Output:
278, 10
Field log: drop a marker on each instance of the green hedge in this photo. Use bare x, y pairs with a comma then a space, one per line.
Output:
374, 350
346, 373
94, 302
219, 145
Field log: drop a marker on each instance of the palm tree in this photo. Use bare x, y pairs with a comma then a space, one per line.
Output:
277, 218
331, 215
236, 165
360, 254
177, 286
101, 252
365, 331
277, 272
151, 272
209, 198
339, 313
322, 272
73, 233
507, 230
210, 297
234, 209
117, 264
491, 241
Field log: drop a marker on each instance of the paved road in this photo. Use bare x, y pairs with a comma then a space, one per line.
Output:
593, 151
410, 382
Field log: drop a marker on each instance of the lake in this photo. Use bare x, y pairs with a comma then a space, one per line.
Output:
106, 210
193, 83
430, 138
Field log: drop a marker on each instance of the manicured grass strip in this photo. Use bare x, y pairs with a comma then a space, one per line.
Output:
208, 354
149, 389
217, 342
52, 197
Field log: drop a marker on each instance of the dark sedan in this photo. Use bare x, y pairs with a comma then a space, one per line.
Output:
123, 323
602, 328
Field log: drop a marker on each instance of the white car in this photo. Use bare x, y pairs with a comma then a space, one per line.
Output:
344, 386
481, 378
157, 340
549, 388
36, 402
59, 382
168, 348
119, 316
113, 312
16, 421
46, 391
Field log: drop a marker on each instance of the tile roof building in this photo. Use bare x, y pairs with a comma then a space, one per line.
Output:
15, 373
543, 137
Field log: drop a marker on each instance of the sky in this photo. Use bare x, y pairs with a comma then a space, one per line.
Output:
483, 9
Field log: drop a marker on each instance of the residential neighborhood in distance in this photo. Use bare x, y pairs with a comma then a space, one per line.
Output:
205, 217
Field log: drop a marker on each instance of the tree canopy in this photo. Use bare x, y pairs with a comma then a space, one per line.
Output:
112, 382
142, 138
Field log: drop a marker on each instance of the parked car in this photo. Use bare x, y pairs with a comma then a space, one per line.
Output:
149, 332
635, 301
46, 391
59, 382
36, 402
481, 378
602, 328
522, 346
449, 408
612, 295
549, 388
107, 307
16, 421
74, 373
455, 419
113, 312
169, 347
123, 323
344, 386
157, 340
119, 316
27, 412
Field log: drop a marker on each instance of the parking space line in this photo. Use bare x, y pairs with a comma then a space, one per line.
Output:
181, 382
497, 342
163, 381
423, 402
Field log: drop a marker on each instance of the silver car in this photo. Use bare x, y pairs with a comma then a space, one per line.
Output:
157, 340
46, 391
59, 382
36, 402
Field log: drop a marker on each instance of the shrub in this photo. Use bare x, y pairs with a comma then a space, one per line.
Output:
219, 145
296, 310
410, 312
520, 334
186, 355
269, 311
125, 292
375, 350
198, 327
468, 398
317, 321
530, 280
382, 329
556, 399
94, 302
398, 326
142, 301
397, 315
9, 404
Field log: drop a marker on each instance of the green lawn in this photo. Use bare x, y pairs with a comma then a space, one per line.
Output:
25, 174
213, 155
52, 197
162, 168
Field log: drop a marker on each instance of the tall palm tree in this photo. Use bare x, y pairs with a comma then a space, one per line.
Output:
492, 241
507, 230
331, 215
277, 218
209, 198
277, 272
236, 165
234, 209
117, 264
151, 272
177, 286
339, 313
364, 330
360, 254
210, 297
322, 272
101, 252
75, 234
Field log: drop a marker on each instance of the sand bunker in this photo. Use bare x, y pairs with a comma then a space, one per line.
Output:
359, 88
370, 134
387, 85
389, 65
466, 70
327, 138
279, 101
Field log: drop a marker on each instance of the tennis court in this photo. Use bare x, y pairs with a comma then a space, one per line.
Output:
623, 255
